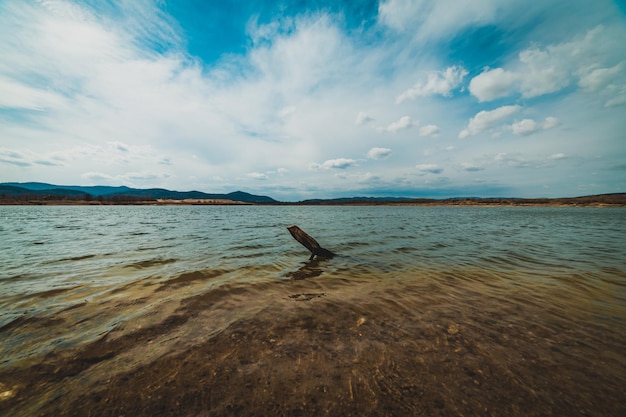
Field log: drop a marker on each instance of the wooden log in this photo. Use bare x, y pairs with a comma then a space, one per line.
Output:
309, 243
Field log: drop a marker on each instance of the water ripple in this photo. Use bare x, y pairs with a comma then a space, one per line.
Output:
511, 291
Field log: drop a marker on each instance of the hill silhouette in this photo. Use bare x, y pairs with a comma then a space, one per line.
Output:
41, 190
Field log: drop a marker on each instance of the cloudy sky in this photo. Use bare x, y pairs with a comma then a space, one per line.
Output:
317, 99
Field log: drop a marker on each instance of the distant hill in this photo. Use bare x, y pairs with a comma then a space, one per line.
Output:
362, 200
614, 199
12, 192
43, 190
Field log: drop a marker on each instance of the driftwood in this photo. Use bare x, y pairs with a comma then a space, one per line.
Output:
309, 243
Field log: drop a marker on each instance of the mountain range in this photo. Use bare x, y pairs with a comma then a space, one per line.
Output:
44, 190
29, 191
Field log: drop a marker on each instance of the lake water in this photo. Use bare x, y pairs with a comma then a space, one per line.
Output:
216, 310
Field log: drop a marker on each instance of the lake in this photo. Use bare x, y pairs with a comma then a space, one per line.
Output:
217, 310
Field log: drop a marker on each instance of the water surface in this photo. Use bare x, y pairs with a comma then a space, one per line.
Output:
216, 310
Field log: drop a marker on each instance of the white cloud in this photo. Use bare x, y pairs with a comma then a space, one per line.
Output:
16, 95
367, 178
394, 13
10, 157
508, 159
47, 162
437, 82
402, 123
257, 175
471, 167
107, 89
429, 169
228, 119
525, 127
339, 163
550, 122
435, 19
557, 156
618, 99
485, 120
544, 70
362, 119
429, 130
494, 83
378, 153
599, 78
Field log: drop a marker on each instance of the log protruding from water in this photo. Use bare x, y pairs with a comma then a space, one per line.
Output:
309, 243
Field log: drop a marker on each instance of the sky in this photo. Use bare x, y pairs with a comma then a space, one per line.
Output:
317, 99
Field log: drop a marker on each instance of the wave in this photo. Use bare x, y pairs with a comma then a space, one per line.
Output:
150, 263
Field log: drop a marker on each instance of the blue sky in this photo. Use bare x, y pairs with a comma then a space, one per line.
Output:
317, 99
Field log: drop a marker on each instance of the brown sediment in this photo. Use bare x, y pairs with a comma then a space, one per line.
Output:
189, 278
340, 346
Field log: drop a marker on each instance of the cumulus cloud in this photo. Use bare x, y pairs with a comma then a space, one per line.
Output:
429, 169
105, 88
402, 123
543, 70
526, 127
485, 120
429, 130
378, 153
339, 163
493, 83
120, 89
609, 82
436, 82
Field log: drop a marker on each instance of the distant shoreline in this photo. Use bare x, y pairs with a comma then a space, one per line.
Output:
604, 200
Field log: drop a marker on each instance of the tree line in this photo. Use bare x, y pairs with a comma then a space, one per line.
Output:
79, 197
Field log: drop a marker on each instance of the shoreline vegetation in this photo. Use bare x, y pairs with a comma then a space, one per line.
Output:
602, 200
610, 200
36, 193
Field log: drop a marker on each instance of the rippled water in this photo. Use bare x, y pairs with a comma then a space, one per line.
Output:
216, 310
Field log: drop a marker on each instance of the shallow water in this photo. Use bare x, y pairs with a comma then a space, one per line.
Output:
215, 310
